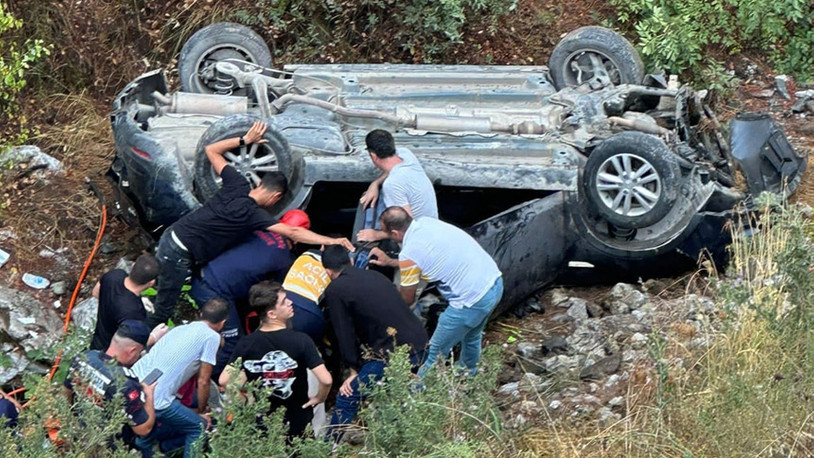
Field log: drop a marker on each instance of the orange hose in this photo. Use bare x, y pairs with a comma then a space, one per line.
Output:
78, 286
75, 294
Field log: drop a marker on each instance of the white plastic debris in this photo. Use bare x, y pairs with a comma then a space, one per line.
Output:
35, 281
3, 257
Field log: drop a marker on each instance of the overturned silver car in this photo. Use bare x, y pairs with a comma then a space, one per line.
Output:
584, 160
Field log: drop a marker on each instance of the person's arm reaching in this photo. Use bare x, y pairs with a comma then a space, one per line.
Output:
302, 235
157, 333
96, 289
149, 407
381, 259
410, 275
215, 151
325, 381
371, 196
203, 386
345, 389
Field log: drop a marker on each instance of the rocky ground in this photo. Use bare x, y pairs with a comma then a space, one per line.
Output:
582, 351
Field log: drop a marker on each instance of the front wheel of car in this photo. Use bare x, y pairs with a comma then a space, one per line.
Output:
214, 43
253, 161
631, 180
595, 56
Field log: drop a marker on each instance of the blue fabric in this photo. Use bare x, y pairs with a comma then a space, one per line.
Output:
232, 331
8, 412
464, 326
175, 426
347, 406
234, 271
176, 266
308, 318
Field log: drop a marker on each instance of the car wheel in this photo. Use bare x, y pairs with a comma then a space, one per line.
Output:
252, 161
630, 180
217, 42
596, 56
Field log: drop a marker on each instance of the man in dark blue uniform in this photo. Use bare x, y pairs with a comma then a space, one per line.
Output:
101, 374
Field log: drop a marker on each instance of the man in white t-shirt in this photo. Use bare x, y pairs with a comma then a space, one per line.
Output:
467, 277
403, 182
184, 351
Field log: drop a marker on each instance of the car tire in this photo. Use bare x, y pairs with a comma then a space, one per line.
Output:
207, 183
631, 180
584, 47
219, 41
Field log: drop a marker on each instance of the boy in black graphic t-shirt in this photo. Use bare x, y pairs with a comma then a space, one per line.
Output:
279, 357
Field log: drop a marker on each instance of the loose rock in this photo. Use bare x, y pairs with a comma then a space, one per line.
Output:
555, 345
27, 321
578, 309
84, 313
601, 368
33, 157
529, 350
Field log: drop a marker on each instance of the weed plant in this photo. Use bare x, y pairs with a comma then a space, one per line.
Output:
415, 31
452, 414
682, 35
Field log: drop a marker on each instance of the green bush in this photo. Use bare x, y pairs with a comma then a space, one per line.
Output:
681, 35
423, 30
15, 58
453, 415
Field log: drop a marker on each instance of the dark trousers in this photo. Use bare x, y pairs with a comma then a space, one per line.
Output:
176, 265
308, 318
8, 413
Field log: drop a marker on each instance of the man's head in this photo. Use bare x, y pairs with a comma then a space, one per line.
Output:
395, 221
269, 300
128, 342
380, 145
144, 271
214, 312
335, 259
272, 188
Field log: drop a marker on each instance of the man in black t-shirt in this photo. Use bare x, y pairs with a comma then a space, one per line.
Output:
119, 297
226, 219
101, 374
366, 310
279, 358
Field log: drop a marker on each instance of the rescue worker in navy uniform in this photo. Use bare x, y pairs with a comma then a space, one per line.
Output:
102, 374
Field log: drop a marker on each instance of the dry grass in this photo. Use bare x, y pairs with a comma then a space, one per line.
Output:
750, 393
62, 213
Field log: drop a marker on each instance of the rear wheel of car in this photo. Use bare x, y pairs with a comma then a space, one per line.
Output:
218, 42
630, 180
253, 161
596, 56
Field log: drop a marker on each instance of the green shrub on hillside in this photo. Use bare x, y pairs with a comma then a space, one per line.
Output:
681, 35
15, 59
453, 415
422, 29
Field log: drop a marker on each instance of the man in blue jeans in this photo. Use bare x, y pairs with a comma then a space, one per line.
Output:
467, 277
367, 311
185, 351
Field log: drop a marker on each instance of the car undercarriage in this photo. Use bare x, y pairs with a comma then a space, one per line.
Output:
586, 160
